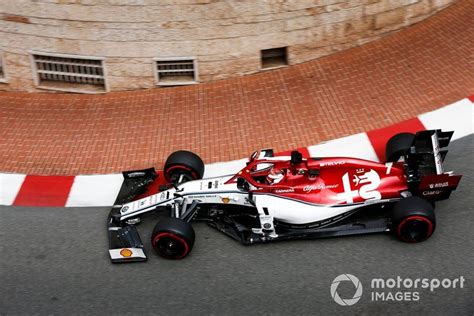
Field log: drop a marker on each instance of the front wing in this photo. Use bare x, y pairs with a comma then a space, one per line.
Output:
125, 244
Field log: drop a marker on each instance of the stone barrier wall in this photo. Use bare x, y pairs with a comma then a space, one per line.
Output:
225, 37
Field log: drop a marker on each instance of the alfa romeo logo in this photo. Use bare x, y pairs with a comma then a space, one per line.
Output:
347, 301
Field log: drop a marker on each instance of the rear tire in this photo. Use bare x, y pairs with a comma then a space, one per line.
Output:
173, 238
398, 145
413, 219
183, 165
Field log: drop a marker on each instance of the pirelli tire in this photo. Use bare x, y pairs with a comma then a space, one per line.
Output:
172, 238
397, 146
182, 166
413, 219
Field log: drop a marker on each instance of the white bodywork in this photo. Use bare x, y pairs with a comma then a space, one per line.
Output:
216, 191
133, 253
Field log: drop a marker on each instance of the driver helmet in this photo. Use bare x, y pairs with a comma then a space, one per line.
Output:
275, 175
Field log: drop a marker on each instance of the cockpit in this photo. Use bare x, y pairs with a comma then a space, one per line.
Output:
287, 171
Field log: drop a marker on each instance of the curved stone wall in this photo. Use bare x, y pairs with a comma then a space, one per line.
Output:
225, 37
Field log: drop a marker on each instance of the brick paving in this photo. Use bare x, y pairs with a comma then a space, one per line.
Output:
393, 79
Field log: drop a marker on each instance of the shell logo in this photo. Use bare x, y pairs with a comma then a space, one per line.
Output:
125, 252
225, 200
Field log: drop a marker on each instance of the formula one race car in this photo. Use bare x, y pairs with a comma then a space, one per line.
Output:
281, 198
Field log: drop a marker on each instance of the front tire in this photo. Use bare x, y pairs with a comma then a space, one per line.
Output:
413, 219
173, 238
182, 166
398, 146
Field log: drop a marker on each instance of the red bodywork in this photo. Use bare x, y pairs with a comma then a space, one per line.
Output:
327, 181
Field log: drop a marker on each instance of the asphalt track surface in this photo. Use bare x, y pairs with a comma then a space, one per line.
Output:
55, 261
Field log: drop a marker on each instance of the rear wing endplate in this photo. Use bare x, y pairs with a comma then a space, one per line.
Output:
426, 175
428, 152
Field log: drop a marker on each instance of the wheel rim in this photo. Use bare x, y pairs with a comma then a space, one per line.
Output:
174, 173
415, 229
170, 246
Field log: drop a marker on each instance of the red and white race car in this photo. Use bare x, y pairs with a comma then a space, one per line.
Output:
281, 198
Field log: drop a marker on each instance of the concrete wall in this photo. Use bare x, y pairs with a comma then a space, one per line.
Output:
225, 36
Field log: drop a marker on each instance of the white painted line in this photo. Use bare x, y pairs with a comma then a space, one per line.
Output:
457, 117
95, 190
356, 146
10, 185
224, 168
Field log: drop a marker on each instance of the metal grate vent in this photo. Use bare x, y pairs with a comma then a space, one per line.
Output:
69, 73
176, 72
274, 57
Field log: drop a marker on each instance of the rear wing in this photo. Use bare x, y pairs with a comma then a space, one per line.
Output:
425, 173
